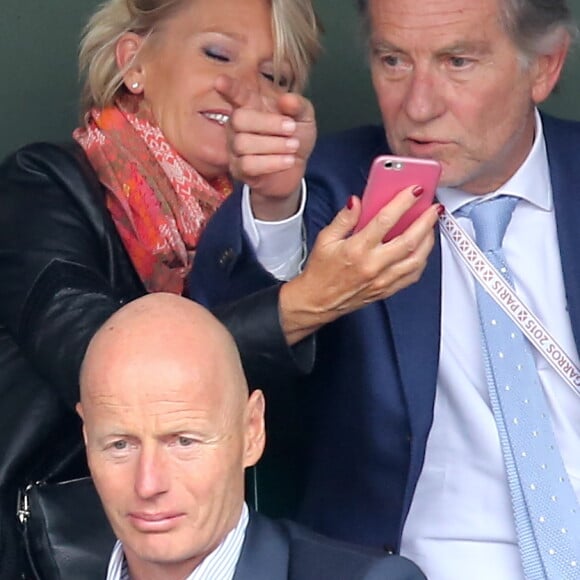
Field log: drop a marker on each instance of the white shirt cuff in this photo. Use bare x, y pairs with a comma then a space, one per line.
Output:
279, 246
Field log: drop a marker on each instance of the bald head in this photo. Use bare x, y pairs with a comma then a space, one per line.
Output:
155, 330
169, 428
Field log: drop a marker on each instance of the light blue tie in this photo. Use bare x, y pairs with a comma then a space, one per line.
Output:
546, 512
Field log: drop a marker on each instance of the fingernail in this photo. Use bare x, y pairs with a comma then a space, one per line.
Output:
350, 202
292, 144
288, 126
288, 160
441, 209
418, 190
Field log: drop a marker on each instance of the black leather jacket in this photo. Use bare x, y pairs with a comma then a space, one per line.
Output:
63, 272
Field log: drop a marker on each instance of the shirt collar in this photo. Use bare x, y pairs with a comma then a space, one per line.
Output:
530, 182
225, 557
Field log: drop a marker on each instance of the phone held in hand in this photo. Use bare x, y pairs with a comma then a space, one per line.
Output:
389, 175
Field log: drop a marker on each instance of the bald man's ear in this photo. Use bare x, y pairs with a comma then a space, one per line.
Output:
79, 410
255, 431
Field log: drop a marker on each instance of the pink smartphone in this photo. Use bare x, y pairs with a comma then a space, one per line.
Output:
388, 176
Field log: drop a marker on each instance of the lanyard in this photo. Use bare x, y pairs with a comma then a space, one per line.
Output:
495, 285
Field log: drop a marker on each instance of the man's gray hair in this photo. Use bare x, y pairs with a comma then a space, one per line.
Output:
535, 26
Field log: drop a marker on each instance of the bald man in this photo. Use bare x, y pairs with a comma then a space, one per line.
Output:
169, 428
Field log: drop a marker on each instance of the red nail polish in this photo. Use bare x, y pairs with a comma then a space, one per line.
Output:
350, 202
418, 190
441, 209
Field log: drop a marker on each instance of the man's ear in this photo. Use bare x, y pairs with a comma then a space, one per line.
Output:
255, 431
126, 53
547, 68
80, 413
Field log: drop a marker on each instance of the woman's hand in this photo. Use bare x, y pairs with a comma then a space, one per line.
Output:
346, 272
270, 140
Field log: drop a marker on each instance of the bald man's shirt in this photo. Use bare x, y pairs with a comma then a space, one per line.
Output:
221, 563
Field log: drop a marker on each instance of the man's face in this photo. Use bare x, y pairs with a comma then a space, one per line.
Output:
167, 446
452, 86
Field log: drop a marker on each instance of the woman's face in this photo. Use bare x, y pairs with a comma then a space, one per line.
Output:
179, 66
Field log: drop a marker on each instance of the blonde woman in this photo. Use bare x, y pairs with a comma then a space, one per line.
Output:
90, 225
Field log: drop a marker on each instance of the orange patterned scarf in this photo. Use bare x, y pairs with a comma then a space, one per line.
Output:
158, 202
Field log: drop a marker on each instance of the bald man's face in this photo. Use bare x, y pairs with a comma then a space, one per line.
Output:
167, 442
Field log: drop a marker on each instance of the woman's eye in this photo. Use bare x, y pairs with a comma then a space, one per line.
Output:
282, 81
216, 54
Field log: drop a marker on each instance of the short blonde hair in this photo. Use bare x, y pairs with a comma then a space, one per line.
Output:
295, 29
296, 32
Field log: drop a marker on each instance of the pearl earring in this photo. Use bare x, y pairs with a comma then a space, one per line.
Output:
135, 86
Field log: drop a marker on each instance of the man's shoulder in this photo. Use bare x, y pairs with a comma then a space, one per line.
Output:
560, 122
363, 136
562, 139
313, 555
557, 128
353, 146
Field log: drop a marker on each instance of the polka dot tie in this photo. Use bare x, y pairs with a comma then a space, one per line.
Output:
546, 513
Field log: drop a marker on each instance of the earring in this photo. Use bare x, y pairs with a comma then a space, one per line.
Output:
135, 86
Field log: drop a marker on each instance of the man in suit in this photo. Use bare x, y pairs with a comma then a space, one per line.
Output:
404, 451
170, 428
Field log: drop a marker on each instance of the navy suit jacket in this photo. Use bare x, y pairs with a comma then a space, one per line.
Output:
282, 550
369, 400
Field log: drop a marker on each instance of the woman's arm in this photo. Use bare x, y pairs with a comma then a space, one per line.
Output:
65, 271
62, 267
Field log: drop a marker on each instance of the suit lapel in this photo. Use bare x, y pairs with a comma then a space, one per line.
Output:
265, 552
562, 143
415, 318
415, 315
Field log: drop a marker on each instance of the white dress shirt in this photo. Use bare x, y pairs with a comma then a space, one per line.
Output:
221, 563
460, 524
461, 516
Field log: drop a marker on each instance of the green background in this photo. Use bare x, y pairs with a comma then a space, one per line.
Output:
38, 92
